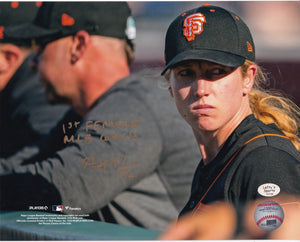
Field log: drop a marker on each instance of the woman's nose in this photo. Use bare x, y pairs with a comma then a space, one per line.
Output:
201, 87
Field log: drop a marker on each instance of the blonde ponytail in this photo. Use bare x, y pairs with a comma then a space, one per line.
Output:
272, 107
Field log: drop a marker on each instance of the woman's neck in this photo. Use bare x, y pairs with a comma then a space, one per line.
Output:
211, 142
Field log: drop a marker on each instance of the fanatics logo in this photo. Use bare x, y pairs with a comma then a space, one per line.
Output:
193, 25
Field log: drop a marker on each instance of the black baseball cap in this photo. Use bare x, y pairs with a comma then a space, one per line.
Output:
16, 13
55, 20
208, 33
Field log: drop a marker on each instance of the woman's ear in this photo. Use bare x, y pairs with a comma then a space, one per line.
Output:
167, 77
249, 79
171, 92
79, 46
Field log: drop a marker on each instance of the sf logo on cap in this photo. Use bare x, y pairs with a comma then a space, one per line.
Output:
193, 25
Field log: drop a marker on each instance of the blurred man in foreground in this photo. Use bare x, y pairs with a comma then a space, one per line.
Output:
25, 116
131, 158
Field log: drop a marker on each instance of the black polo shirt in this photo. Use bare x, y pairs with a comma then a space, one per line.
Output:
264, 160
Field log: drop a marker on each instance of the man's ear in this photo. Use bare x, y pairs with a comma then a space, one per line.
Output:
10, 58
249, 79
79, 46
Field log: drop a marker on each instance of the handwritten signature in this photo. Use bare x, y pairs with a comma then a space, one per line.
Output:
105, 165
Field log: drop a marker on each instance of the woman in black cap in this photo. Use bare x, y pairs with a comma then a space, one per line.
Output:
246, 135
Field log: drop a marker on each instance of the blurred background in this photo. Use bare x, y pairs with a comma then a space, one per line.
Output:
275, 26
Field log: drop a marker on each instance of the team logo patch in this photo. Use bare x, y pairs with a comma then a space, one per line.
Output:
193, 25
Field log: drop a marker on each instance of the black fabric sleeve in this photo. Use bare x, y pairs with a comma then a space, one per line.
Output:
265, 165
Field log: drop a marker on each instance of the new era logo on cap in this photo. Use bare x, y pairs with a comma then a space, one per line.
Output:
249, 46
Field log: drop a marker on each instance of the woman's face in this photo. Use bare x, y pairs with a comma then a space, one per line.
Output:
209, 96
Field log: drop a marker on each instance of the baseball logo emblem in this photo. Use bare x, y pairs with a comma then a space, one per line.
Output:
268, 215
193, 24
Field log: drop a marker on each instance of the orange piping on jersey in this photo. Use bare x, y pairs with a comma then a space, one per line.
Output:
227, 164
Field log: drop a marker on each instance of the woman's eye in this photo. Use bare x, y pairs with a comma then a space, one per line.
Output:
218, 71
185, 72
215, 73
